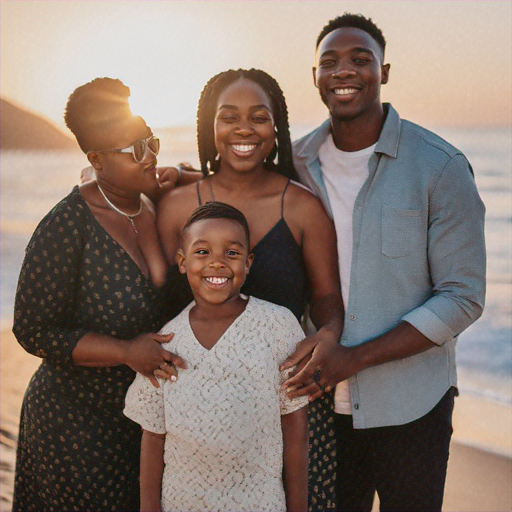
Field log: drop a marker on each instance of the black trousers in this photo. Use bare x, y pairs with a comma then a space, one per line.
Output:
405, 464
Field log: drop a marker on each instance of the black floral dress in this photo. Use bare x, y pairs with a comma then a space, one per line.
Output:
76, 449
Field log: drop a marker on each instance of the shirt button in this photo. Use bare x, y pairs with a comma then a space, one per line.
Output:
352, 317
356, 406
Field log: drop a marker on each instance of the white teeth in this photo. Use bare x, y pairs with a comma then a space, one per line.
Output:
216, 280
344, 91
243, 148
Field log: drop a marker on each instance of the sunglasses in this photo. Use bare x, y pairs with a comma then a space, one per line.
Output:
137, 149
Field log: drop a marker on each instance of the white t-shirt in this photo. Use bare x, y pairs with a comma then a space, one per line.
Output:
344, 174
222, 417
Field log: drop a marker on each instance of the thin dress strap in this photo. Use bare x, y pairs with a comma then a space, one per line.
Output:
282, 198
199, 193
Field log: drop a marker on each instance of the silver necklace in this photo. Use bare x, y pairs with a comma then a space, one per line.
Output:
116, 209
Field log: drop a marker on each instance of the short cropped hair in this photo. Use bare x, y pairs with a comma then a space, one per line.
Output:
218, 210
349, 20
97, 106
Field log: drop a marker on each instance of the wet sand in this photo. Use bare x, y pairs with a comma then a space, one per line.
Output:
478, 480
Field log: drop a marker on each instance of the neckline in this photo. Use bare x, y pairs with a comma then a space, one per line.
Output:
274, 227
197, 343
147, 279
269, 232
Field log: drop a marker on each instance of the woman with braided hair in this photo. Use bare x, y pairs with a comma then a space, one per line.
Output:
246, 160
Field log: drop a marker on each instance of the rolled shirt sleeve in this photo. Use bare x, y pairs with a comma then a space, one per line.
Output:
456, 256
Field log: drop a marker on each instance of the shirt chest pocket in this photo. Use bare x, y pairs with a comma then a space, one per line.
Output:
402, 231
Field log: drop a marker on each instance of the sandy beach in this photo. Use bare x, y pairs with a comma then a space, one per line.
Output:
478, 480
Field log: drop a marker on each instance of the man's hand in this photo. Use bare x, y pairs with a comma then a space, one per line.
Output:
329, 364
332, 363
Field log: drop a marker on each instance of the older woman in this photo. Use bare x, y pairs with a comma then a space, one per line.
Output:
92, 294
245, 154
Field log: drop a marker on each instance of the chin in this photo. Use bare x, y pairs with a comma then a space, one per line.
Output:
344, 114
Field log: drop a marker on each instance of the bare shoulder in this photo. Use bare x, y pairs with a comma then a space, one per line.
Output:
179, 202
301, 201
179, 196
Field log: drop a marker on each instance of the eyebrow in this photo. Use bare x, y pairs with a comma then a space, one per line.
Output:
363, 50
236, 242
359, 49
234, 107
231, 242
198, 242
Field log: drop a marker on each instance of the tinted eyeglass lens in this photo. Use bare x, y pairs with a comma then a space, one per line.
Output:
154, 145
138, 150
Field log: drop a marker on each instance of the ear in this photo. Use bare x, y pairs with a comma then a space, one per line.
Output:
314, 76
93, 157
248, 263
385, 73
180, 260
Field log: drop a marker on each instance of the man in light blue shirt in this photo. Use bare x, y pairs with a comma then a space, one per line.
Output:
415, 265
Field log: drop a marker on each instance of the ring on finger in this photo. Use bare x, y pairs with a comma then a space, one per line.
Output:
316, 378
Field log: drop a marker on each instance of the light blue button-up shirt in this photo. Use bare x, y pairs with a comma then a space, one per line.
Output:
418, 256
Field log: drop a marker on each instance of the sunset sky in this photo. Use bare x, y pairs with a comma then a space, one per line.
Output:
450, 60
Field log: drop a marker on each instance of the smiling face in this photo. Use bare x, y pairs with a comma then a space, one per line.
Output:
120, 170
215, 256
243, 126
349, 72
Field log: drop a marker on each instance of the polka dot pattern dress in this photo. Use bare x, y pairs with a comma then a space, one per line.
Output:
76, 449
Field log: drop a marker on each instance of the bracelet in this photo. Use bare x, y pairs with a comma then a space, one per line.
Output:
179, 168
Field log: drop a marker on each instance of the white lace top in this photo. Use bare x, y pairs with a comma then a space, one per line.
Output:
224, 446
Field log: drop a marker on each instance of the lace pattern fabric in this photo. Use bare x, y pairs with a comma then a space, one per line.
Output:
224, 448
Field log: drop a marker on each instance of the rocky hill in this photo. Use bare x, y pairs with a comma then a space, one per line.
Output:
20, 129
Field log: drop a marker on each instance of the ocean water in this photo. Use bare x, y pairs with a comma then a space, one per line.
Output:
32, 182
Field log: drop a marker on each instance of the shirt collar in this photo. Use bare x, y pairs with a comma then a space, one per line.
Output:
387, 143
390, 133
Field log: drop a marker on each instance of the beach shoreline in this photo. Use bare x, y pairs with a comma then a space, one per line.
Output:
479, 470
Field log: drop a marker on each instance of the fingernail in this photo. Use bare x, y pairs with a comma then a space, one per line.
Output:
174, 378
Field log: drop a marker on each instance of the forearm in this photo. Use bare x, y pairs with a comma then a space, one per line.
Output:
151, 471
188, 177
327, 314
402, 341
143, 354
295, 460
338, 363
100, 350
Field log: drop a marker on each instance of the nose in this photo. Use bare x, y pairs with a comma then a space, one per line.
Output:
343, 72
244, 128
216, 264
344, 69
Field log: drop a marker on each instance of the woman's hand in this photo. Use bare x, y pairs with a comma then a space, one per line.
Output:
145, 355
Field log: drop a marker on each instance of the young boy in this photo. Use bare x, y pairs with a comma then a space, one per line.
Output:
224, 437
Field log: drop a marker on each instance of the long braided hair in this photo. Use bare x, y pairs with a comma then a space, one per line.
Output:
206, 111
